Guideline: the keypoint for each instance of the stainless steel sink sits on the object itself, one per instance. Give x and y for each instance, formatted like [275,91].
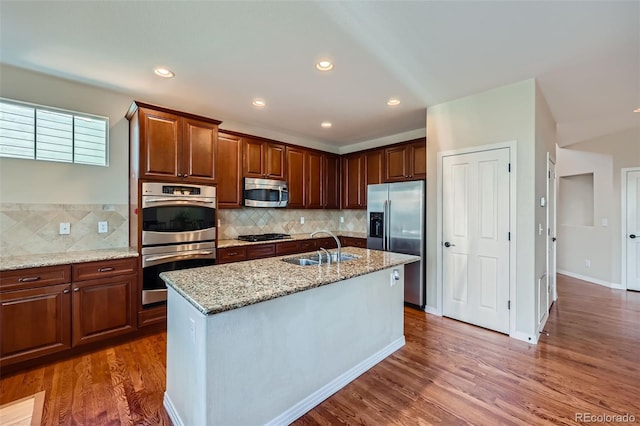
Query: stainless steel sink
[315,260]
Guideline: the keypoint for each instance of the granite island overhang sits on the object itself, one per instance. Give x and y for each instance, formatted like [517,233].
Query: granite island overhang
[264,341]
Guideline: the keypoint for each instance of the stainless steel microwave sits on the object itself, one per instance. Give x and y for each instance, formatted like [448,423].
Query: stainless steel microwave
[265,193]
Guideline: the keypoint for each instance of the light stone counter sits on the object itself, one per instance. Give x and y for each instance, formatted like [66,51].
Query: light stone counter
[50,259]
[294,237]
[214,289]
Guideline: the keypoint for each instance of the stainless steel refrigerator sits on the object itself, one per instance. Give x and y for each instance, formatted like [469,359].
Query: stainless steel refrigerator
[395,214]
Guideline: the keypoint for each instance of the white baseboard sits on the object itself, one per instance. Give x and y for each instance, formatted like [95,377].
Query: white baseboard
[432,311]
[525,337]
[591,280]
[171,411]
[302,407]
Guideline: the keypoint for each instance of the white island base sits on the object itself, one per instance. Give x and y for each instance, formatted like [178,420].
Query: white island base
[271,362]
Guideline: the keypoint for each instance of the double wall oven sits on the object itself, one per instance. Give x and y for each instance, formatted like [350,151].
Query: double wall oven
[178,232]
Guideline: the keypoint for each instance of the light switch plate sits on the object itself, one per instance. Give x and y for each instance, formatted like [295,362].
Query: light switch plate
[103,227]
[301,220]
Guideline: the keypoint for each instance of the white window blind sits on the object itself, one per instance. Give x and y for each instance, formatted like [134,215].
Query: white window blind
[51,134]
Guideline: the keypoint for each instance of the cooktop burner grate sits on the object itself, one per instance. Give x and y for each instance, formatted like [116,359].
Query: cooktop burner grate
[263,237]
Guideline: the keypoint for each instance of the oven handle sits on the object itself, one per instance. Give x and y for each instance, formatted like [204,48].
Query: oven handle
[169,256]
[172,199]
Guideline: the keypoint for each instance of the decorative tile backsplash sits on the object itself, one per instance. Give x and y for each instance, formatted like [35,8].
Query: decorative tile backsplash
[33,228]
[262,220]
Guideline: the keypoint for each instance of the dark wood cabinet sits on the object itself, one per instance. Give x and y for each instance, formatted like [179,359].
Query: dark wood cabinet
[287,247]
[375,166]
[56,308]
[231,254]
[296,177]
[406,162]
[34,322]
[263,159]
[103,308]
[260,251]
[169,145]
[229,179]
[353,242]
[354,185]
[331,181]
[314,172]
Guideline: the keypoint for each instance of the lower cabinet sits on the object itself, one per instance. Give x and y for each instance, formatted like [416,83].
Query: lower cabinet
[353,242]
[40,316]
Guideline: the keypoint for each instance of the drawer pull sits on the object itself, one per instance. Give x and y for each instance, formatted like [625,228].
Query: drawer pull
[233,253]
[77,289]
[66,291]
[109,269]
[28,279]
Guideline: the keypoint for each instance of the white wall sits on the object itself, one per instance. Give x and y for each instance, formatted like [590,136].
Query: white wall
[500,115]
[600,244]
[28,181]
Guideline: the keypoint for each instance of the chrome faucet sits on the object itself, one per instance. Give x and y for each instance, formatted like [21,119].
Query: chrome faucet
[335,238]
[328,255]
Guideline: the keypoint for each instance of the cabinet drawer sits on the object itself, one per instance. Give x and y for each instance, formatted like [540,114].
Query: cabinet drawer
[307,245]
[355,242]
[35,277]
[260,251]
[231,254]
[328,243]
[289,247]
[104,269]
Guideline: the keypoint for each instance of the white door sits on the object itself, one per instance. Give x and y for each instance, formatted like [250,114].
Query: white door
[633,230]
[552,293]
[475,194]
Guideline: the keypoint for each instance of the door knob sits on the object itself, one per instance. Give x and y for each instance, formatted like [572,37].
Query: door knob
[632,236]
[553,239]
[448,244]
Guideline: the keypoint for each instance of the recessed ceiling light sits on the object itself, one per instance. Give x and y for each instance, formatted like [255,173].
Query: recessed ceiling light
[326,124]
[259,103]
[324,65]
[164,72]
[636,110]
[393,102]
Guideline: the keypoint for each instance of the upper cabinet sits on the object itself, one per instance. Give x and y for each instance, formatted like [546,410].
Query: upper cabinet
[315,175]
[296,177]
[354,185]
[407,161]
[313,179]
[330,181]
[375,166]
[229,171]
[170,146]
[263,159]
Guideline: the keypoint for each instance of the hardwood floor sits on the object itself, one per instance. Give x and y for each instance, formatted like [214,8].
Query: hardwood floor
[448,373]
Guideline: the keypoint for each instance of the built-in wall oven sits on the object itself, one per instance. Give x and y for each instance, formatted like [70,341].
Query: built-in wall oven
[178,232]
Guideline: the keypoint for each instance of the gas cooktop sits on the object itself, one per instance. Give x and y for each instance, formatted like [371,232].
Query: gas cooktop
[263,237]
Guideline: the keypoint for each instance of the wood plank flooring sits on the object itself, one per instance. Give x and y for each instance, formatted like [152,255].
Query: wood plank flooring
[448,373]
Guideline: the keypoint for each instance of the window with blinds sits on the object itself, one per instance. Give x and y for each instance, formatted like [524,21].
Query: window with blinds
[44,133]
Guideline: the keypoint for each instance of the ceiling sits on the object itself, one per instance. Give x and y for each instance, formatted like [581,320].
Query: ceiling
[584,55]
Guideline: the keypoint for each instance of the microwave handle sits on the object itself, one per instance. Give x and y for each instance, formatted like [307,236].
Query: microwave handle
[280,191]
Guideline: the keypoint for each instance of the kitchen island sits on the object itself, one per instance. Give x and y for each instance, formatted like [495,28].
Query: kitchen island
[264,341]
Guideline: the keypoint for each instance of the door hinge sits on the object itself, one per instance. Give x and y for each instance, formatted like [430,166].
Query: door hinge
[509,167]
[509,304]
[509,236]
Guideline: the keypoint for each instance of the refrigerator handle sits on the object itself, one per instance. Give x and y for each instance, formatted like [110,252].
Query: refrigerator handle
[389,225]
[384,225]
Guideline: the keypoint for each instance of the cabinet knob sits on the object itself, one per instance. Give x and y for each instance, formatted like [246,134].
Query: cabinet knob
[66,291]
[76,289]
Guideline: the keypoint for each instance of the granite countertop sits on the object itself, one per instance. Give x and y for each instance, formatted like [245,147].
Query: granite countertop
[294,237]
[219,288]
[50,259]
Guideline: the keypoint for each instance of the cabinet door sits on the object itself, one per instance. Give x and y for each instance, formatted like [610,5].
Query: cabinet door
[103,308]
[253,155]
[274,165]
[418,160]
[375,166]
[34,322]
[161,145]
[296,174]
[231,254]
[396,164]
[353,182]
[331,185]
[315,175]
[229,171]
[200,145]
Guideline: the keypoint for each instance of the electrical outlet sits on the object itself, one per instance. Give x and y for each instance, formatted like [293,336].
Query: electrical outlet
[587,263]
[192,330]
[341,219]
[301,220]
[65,228]
[103,227]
